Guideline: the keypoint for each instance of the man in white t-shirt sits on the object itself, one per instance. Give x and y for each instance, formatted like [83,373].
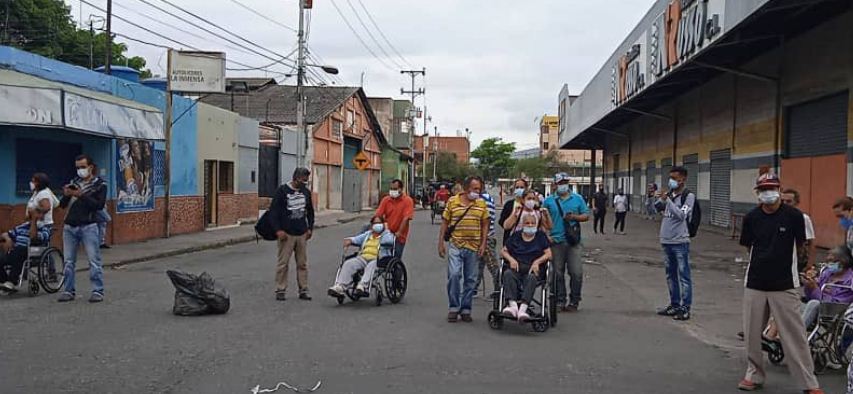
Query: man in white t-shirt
[806,261]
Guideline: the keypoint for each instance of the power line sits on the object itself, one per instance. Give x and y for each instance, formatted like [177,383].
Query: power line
[387,41]
[252,10]
[375,41]
[355,33]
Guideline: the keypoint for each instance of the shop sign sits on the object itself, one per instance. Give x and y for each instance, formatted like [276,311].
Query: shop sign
[679,32]
[30,106]
[111,119]
[196,72]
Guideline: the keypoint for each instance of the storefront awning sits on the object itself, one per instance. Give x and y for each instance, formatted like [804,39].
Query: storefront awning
[30,101]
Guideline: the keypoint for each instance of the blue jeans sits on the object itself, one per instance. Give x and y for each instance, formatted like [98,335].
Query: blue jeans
[72,238]
[461,263]
[677,263]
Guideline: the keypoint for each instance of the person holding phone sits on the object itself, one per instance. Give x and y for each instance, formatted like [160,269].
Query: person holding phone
[82,198]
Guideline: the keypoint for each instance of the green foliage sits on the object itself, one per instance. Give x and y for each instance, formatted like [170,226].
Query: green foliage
[495,157]
[448,167]
[45,27]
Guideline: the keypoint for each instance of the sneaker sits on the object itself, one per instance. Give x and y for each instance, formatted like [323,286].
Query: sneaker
[65,297]
[569,308]
[511,310]
[813,391]
[682,315]
[522,314]
[96,297]
[452,317]
[280,296]
[7,286]
[746,385]
[336,291]
[303,295]
[668,311]
[105,246]
[361,291]
[466,317]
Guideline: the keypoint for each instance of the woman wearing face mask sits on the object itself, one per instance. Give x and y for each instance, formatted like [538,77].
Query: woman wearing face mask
[530,206]
[42,197]
[375,244]
[835,283]
[526,252]
[512,206]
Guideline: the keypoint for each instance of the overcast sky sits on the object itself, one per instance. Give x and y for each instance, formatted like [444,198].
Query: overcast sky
[493,66]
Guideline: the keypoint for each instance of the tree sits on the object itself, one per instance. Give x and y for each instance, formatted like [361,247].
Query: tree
[448,167]
[495,157]
[45,27]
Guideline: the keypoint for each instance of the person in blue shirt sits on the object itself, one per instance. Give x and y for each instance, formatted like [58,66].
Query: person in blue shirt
[14,244]
[568,210]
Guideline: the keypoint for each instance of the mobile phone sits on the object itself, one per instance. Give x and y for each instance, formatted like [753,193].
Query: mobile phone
[72,186]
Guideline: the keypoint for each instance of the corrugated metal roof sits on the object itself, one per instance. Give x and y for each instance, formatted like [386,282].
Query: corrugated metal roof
[277,103]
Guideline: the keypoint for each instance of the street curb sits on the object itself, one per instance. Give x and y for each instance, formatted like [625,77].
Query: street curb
[210,246]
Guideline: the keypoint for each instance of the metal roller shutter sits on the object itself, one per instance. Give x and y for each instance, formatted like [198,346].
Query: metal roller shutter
[691,163]
[651,173]
[721,175]
[665,166]
[637,185]
[819,127]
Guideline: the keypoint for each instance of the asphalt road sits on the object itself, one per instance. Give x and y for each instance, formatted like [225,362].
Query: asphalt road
[133,344]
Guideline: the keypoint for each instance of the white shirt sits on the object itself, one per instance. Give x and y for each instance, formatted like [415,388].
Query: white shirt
[621,203]
[809,227]
[44,194]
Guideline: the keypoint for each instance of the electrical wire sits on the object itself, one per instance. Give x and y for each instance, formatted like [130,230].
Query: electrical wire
[252,10]
[355,33]
[369,34]
[387,41]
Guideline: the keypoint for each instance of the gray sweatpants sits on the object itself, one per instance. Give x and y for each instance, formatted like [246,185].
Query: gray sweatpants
[352,266]
[785,308]
[568,258]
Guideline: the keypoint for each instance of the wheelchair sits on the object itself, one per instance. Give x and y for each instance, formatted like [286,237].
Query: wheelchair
[437,211]
[542,308]
[825,338]
[390,280]
[42,269]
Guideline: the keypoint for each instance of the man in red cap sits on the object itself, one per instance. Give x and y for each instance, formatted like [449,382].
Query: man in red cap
[774,233]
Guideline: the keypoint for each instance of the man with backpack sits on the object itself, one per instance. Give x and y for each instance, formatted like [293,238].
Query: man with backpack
[679,224]
[291,216]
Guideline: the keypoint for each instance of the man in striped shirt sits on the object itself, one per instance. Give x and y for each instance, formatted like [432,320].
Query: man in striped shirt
[489,259]
[13,247]
[465,226]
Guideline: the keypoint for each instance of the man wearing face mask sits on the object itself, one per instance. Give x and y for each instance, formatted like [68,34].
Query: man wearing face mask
[843,210]
[398,209]
[568,210]
[599,210]
[677,206]
[292,216]
[774,232]
[82,198]
[513,207]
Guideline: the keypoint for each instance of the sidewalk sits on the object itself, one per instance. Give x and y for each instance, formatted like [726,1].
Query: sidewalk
[718,264]
[214,238]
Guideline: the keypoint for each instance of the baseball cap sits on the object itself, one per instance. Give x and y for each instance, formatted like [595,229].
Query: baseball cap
[561,176]
[768,181]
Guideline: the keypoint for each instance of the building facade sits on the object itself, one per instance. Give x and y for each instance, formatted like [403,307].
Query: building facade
[460,147]
[724,88]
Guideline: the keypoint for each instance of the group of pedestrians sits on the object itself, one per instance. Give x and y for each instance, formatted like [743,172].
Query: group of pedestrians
[600,204]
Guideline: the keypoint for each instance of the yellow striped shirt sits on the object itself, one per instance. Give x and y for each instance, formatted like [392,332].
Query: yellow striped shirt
[469,230]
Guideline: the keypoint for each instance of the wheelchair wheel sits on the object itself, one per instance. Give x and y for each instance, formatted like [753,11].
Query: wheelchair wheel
[495,321]
[540,325]
[340,300]
[396,281]
[33,286]
[552,299]
[378,299]
[51,270]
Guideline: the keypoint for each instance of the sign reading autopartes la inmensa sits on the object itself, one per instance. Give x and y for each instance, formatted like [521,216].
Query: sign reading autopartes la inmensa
[196,72]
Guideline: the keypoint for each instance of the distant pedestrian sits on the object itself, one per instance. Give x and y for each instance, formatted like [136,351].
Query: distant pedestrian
[843,210]
[677,206]
[465,227]
[489,259]
[599,209]
[805,262]
[568,210]
[82,198]
[773,232]
[398,209]
[651,196]
[620,205]
[292,216]
[102,217]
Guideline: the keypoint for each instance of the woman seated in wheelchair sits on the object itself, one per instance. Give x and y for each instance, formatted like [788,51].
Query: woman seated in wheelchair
[375,244]
[527,251]
[14,248]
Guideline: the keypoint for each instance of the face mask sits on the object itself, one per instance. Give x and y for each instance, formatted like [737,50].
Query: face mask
[32,186]
[473,195]
[846,223]
[529,230]
[530,204]
[83,172]
[378,227]
[394,193]
[519,192]
[562,189]
[673,184]
[768,197]
[833,267]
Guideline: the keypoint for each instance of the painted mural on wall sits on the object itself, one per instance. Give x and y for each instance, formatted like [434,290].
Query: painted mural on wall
[134,175]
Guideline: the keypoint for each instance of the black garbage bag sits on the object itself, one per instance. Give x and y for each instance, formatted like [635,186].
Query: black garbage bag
[198,294]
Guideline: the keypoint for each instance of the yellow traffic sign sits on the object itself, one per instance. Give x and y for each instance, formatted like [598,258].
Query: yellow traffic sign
[361,161]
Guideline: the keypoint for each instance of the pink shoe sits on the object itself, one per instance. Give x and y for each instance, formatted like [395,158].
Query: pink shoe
[511,310]
[522,314]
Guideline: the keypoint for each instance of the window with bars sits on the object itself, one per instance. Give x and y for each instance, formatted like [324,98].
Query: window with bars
[226,177]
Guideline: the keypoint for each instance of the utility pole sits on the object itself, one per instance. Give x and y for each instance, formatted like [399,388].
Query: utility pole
[415,93]
[425,138]
[6,24]
[302,150]
[435,155]
[91,44]
[109,49]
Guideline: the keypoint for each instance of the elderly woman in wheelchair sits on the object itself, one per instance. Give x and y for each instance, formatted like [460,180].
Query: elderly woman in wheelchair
[527,252]
[14,246]
[374,244]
